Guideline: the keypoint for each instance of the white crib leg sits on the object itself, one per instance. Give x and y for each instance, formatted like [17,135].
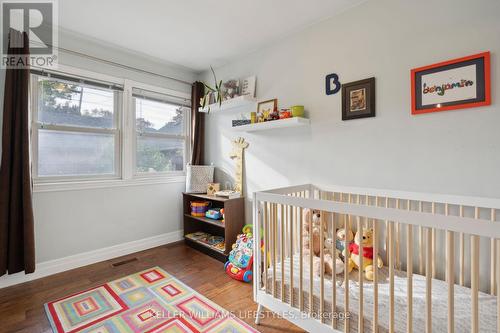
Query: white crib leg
[258,315]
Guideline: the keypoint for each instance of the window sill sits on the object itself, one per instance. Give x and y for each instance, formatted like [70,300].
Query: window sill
[108,183]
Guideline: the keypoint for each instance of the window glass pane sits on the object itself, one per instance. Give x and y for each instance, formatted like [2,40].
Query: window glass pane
[73,153]
[63,103]
[158,117]
[159,154]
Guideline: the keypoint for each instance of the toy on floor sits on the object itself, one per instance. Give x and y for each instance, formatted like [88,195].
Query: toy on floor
[367,242]
[239,264]
[312,243]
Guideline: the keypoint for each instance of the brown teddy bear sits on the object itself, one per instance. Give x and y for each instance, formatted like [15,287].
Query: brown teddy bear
[366,239]
[314,217]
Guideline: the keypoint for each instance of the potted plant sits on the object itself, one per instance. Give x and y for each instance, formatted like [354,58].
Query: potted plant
[217,90]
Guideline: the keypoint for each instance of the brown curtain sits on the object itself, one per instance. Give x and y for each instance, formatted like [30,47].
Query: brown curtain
[197,125]
[17,243]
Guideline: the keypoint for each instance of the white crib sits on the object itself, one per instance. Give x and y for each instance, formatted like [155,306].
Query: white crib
[441,261]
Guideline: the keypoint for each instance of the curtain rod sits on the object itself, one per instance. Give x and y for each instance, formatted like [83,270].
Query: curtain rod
[109,62]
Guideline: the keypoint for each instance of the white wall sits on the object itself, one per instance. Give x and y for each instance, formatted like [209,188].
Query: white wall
[455,152]
[73,222]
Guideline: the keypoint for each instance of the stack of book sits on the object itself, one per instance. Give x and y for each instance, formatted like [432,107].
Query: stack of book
[217,242]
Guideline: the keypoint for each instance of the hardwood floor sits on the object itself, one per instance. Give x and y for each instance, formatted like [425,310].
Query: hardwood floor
[21,306]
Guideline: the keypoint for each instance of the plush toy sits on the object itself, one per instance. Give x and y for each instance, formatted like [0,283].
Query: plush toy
[312,220]
[343,238]
[367,241]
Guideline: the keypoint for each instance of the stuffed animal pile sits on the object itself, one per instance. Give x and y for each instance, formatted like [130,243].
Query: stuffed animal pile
[329,258]
[312,243]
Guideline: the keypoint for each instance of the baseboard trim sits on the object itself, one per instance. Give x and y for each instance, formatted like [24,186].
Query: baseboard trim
[50,267]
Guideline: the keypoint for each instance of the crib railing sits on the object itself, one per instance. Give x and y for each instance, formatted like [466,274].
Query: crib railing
[408,231]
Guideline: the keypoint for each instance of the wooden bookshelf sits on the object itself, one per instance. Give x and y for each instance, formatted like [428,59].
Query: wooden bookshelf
[234,211]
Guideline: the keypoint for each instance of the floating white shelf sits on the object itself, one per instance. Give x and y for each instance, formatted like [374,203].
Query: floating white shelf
[230,104]
[274,124]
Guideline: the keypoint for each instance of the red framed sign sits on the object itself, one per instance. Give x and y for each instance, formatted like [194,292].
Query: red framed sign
[450,85]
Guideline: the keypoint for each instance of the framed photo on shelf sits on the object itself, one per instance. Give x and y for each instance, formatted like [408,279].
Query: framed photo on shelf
[248,86]
[358,99]
[265,108]
[450,85]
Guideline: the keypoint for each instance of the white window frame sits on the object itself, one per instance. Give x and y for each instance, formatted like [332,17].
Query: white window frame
[186,137]
[125,146]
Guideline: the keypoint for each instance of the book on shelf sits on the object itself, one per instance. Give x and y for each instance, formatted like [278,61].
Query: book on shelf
[228,194]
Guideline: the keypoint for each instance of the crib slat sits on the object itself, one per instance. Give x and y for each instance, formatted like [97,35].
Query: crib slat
[391,276]
[273,245]
[266,244]
[290,218]
[433,242]
[310,263]
[301,264]
[360,275]
[498,284]
[475,279]
[375,273]
[321,266]
[450,276]
[398,235]
[282,243]
[409,269]
[462,252]
[386,233]
[421,242]
[334,269]
[428,283]
[493,258]
[346,275]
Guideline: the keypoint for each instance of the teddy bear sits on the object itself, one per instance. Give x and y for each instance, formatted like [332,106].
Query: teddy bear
[366,239]
[313,245]
[342,239]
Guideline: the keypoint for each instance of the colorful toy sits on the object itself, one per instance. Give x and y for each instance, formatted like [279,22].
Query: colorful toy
[368,260]
[223,215]
[343,239]
[214,213]
[199,208]
[239,265]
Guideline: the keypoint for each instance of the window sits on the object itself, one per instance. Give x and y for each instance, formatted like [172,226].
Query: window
[92,130]
[161,132]
[76,127]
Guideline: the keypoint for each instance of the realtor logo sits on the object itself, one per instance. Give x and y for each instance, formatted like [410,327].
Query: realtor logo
[39,20]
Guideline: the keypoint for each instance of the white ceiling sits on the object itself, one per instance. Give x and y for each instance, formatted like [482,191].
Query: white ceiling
[194,33]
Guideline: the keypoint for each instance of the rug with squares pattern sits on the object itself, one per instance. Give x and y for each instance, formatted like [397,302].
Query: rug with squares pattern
[151,301]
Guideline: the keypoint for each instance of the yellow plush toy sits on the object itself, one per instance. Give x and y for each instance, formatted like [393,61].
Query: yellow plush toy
[367,241]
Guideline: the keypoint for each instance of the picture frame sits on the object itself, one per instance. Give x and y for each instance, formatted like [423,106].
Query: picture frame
[248,86]
[358,99]
[450,85]
[265,108]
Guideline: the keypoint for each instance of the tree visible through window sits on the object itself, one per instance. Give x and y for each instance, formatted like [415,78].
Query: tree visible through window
[76,129]
[160,135]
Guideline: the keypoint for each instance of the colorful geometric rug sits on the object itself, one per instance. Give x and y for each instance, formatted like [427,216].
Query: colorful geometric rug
[151,301]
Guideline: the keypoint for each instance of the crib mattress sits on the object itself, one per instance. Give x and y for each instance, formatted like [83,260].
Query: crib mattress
[487,303]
